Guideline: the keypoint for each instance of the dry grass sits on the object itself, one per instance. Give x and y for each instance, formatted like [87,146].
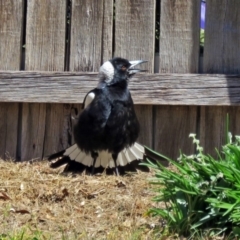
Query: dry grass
[36,200]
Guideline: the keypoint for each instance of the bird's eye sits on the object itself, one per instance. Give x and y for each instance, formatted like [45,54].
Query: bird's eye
[124,68]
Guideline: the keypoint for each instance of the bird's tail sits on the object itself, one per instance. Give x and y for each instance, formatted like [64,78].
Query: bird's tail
[104,160]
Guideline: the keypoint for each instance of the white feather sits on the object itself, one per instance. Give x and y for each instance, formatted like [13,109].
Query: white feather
[137,150]
[70,150]
[106,72]
[89,98]
[125,161]
[73,155]
[111,164]
[87,160]
[139,147]
[104,159]
[120,159]
[129,155]
[98,162]
[80,156]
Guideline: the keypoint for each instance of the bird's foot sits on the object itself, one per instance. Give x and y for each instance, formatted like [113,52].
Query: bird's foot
[117,172]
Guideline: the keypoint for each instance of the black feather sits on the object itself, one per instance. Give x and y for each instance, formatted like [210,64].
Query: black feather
[56,155]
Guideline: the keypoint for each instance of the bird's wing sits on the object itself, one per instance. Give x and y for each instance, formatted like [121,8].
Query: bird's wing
[89,98]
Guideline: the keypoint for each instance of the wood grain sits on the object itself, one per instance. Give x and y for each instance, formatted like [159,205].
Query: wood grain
[134,39]
[91,34]
[213,126]
[221,55]
[33,129]
[222,32]
[179,49]
[45,49]
[107,31]
[156,89]
[134,30]
[57,128]
[11,18]
[172,129]
[9,116]
[179,36]
[144,115]
[10,34]
[91,45]
[45,35]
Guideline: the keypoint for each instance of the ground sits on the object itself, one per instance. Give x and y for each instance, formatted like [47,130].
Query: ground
[38,201]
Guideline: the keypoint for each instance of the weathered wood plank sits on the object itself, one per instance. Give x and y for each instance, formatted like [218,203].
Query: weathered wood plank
[91,34]
[172,129]
[156,89]
[107,34]
[179,36]
[144,115]
[91,43]
[8,130]
[221,55]
[222,33]
[179,49]
[32,131]
[45,35]
[135,30]
[134,39]
[76,110]
[11,19]
[57,128]
[213,126]
[45,49]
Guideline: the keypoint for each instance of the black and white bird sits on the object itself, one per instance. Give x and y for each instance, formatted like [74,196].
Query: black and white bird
[107,128]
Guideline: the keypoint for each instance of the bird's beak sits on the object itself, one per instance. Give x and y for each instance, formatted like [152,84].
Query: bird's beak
[132,70]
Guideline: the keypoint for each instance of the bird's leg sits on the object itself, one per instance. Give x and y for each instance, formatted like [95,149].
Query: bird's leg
[94,156]
[114,156]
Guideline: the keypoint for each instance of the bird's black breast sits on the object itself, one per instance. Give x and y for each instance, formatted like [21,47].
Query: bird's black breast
[122,127]
[108,123]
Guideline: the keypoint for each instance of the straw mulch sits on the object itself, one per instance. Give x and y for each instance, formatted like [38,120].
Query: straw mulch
[35,198]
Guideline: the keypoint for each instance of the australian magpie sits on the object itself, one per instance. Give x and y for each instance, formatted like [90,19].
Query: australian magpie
[107,128]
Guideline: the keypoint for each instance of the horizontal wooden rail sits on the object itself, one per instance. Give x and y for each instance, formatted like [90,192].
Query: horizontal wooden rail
[156,89]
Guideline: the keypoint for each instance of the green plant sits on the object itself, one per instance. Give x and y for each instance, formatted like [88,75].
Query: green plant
[25,233]
[200,193]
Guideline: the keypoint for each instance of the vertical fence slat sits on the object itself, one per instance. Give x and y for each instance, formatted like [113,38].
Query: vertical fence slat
[107,34]
[144,115]
[135,30]
[11,19]
[179,36]
[91,37]
[91,34]
[134,39]
[221,55]
[222,32]
[45,49]
[179,52]
[57,128]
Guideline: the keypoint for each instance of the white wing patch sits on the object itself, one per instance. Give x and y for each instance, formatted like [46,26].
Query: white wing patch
[126,156]
[89,98]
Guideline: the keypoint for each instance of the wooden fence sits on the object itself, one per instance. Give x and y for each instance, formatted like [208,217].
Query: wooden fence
[61,43]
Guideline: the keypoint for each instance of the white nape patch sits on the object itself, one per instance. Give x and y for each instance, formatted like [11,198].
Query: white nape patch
[89,99]
[106,72]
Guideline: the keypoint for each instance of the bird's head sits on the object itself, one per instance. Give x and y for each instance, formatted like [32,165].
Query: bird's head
[117,70]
